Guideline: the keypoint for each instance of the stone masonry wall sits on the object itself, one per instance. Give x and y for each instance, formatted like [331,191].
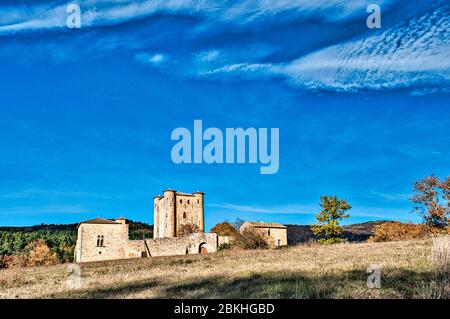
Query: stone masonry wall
[182,245]
[114,238]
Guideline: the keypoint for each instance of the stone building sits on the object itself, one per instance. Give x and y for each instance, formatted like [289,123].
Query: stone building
[274,233]
[103,239]
[173,209]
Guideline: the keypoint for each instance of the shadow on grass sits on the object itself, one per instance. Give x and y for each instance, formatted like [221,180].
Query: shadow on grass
[115,291]
[396,283]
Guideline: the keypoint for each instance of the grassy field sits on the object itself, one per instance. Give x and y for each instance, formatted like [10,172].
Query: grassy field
[338,271]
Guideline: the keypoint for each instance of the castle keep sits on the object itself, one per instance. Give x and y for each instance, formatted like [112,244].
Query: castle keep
[103,239]
[174,209]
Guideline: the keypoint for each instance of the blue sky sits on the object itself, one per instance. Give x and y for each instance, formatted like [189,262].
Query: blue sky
[86,115]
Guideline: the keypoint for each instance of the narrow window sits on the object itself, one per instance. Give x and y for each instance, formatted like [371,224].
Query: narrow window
[100,240]
[268,232]
[184,215]
[181,201]
[188,201]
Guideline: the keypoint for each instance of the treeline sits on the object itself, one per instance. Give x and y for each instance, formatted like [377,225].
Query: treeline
[60,242]
[60,239]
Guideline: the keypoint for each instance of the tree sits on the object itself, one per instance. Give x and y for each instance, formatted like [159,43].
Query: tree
[327,227]
[187,229]
[40,254]
[432,200]
[224,229]
[238,223]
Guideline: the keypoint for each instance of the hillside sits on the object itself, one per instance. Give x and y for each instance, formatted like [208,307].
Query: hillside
[298,234]
[304,271]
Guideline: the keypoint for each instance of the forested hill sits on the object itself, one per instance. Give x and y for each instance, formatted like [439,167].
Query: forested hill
[134,227]
[53,227]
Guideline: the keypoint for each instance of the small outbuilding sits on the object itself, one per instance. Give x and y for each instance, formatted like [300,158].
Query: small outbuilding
[275,233]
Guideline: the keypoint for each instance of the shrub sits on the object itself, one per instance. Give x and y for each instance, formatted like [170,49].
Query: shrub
[40,254]
[251,239]
[224,229]
[394,231]
[187,229]
[224,246]
[441,254]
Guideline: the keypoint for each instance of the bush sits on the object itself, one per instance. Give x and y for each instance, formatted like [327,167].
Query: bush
[224,246]
[330,241]
[40,254]
[14,261]
[224,229]
[441,254]
[187,229]
[394,231]
[251,239]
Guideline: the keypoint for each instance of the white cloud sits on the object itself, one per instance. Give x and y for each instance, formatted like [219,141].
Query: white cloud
[154,59]
[402,56]
[413,54]
[107,12]
[400,214]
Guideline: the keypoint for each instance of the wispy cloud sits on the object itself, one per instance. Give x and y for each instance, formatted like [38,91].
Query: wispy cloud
[286,209]
[391,197]
[313,209]
[107,12]
[415,53]
[412,53]
[153,59]
[37,193]
[26,210]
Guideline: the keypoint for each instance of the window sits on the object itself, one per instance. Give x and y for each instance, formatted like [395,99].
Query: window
[188,201]
[100,239]
[181,201]
[268,232]
[184,215]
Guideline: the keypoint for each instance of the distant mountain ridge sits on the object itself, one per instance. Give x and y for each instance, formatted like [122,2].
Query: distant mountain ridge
[298,234]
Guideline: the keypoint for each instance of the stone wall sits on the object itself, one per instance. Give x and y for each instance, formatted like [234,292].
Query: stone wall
[182,245]
[278,237]
[114,238]
[223,240]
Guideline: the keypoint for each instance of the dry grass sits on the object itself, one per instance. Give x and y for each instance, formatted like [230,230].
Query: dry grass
[336,271]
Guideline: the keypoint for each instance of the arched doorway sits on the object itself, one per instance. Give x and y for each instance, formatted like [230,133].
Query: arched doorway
[202,249]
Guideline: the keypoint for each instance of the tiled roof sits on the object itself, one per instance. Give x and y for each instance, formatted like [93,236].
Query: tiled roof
[265,224]
[99,221]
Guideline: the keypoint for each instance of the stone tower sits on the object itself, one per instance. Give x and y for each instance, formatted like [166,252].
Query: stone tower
[174,209]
